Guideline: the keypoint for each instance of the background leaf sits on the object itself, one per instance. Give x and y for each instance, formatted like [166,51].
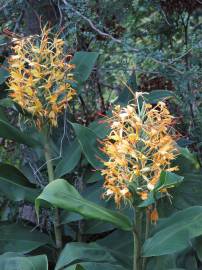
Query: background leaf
[15,185]
[16,238]
[88,141]
[4,74]
[9,132]
[84,62]
[157,95]
[13,261]
[70,158]
[82,252]
[176,234]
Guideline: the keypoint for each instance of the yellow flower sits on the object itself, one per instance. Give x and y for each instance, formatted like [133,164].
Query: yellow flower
[39,75]
[140,145]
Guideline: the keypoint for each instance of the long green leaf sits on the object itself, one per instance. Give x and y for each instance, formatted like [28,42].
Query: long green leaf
[84,62]
[9,132]
[158,95]
[15,185]
[192,157]
[122,249]
[177,232]
[189,192]
[61,194]
[13,261]
[16,238]
[69,160]
[94,266]
[4,74]
[82,252]
[168,179]
[131,87]
[88,141]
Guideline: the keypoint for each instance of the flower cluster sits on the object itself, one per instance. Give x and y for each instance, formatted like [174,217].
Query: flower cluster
[40,76]
[140,145]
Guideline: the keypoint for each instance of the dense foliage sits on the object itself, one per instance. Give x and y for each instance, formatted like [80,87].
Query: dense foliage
[100,127]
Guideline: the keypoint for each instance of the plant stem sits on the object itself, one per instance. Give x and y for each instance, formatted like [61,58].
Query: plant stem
[135,254]
[146,236]
[137,244]
[57,229]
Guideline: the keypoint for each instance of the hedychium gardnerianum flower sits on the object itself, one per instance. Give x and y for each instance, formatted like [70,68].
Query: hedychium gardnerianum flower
[41,83]
[41,77]
[140,146]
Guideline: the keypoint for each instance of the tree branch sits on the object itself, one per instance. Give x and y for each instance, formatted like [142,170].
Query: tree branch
[92,25]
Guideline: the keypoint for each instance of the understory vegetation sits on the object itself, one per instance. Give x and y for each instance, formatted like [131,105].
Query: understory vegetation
[100,135]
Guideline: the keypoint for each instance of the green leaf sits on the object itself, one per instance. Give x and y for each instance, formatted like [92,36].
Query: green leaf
[74,267]
[189,192]
[198,247]
[67,217]
[61,194]
[126,94]
[120,245]
[82,252]
[94,266]
[3,114]
[162,262]
[184,151]
[167,180]
[93,177]
[96,227]
[84,63]
[101,129]
[9,132]
[88,141]
[177,232]
[16,238]
[69,159]
[15,185]
[13,261]
[4,74]
[157,95]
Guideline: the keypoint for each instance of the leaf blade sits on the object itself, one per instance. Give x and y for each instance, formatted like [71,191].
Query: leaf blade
[63,195]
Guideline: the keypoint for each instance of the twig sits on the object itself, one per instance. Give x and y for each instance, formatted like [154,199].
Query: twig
[181,56]
[60,12]
[18,21]
[166,19]
[92,25]
[5,5]
[166,64]
[113,38]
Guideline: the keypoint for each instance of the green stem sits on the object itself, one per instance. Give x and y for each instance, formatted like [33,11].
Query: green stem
[137,244]
[57,229]
[147,225]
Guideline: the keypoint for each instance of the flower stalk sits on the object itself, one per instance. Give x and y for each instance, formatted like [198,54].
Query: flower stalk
[56,224]
[137,240]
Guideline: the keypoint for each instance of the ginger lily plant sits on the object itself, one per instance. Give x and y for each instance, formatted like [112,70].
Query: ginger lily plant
[40,83]
[140,146]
